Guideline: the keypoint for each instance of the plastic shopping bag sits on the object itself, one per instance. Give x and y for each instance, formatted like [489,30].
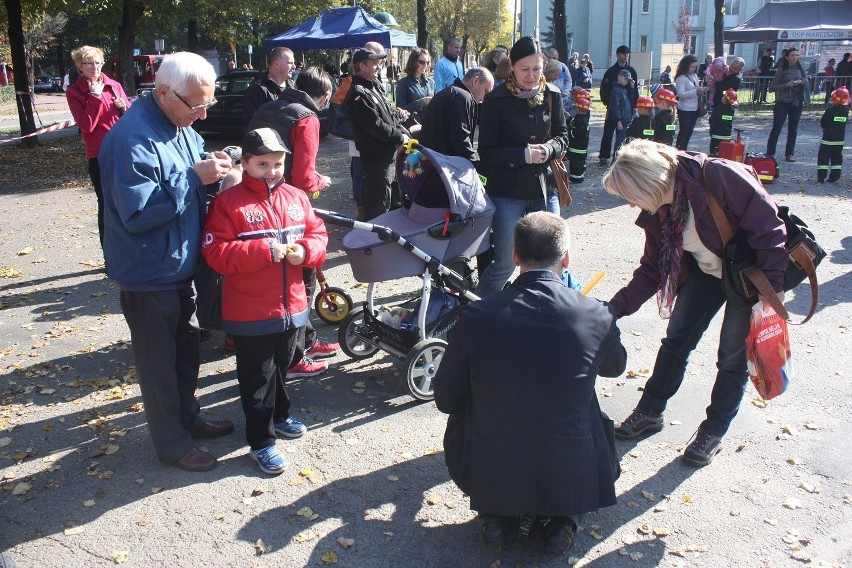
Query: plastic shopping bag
[769,360]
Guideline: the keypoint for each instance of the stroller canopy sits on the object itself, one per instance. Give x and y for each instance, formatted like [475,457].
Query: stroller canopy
[449,182]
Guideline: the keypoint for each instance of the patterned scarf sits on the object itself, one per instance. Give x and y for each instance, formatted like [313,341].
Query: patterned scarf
[672,222]
[534,96]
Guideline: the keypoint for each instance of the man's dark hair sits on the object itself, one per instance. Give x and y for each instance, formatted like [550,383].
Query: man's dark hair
[541,238]
[314,81]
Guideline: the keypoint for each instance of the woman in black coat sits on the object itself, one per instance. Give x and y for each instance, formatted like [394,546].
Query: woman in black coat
[522,128]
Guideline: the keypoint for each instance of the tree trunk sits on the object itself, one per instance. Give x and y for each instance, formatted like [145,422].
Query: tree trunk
[719,28]
[130,16]
[192,35]
[422,32]
[560,31]
[24,95]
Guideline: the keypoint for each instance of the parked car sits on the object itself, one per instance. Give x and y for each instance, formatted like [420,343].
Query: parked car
[226,116]
[45,84]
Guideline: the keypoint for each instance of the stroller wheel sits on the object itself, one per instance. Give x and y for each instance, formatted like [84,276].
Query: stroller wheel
[421,365]
[333,305]
[350,343]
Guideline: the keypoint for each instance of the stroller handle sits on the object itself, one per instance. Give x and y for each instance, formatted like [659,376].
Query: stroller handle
[385,233]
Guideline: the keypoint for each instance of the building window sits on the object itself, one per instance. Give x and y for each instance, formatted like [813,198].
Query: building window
[693,43]
[692,7]
[732,7]
[732,49]
[646,6]
[643,43]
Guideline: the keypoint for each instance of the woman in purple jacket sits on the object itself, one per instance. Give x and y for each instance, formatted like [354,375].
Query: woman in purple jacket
[682,258]
[96,103]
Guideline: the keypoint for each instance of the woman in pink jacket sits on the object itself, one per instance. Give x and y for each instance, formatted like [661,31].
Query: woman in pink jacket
[96,103]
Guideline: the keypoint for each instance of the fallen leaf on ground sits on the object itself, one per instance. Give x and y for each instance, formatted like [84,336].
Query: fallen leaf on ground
[71,531]
[89,503]
[24,251]
[812,426]
[257,491]
[792,503]
[305,512]
[345,542]
[596,532]
[773,522]
[393,478]
[790,430]
[305,536]
[260,547]
[809,487]
[431,451]
[648,495]
[5,442]
[305,472]
[22,488]
[687,499]
[156,490]
[143,522]
[119,556]
[329,557]
[793,460]
[635,555]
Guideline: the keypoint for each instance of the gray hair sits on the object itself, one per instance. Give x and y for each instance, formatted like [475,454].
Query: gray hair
[481,73]
[541,239]
[178,69]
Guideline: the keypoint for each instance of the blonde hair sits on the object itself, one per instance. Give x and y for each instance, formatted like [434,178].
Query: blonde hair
[643,173]
[86,52]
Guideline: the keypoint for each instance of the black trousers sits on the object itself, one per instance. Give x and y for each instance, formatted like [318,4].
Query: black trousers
[720,129]
[164,332]
[686,120]
[829,161]
[577,165]
[377,186]
[95,175]
[262,362]
[610,125]
[307,334]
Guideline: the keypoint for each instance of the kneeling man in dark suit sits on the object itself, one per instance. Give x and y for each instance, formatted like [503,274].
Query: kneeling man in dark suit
[526,438]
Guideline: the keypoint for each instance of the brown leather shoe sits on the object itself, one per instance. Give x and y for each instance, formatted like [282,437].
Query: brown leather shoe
[196,460]
[204,428]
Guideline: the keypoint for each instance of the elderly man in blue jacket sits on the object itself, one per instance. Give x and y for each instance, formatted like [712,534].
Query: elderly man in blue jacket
[155,175]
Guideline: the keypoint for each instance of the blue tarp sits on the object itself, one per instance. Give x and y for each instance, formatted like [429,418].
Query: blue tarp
[339,28]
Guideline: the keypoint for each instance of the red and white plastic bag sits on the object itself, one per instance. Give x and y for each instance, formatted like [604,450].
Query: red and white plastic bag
[770,363]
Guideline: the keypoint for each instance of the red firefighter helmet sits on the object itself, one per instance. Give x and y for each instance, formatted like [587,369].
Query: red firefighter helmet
[645,102]
[579,92]
[731,96]
[582,102]
[666,95]
[840,96]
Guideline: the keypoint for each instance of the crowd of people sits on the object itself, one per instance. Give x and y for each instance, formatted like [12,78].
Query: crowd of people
[165,202]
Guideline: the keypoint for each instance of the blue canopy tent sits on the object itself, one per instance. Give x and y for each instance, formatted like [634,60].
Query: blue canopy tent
[339,28]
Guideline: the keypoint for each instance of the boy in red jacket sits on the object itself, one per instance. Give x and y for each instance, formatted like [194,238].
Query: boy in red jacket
[260,234]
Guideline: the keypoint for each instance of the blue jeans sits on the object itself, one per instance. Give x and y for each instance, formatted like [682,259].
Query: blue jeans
[780,112]
[698,301]
[620,135]
[356,171]
[553,203]
[507,213]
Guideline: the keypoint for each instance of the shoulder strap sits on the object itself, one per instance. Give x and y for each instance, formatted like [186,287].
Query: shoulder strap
[754,274]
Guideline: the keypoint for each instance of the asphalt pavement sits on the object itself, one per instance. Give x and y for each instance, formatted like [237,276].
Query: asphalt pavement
[367,485]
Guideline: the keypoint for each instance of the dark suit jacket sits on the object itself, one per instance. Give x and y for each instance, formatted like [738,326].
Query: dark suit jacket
[525,432]
[450,122]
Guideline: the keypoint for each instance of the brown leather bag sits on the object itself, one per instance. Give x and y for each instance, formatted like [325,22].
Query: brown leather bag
[560,172]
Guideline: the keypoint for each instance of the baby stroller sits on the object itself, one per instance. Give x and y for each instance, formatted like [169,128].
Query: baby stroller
[444,222]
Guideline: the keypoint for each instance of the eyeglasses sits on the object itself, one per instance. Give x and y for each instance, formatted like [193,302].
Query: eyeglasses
[195,108]
[422,62]
[94,63]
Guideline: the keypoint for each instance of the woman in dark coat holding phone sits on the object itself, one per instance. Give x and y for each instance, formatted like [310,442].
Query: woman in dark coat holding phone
[522,127]
[790,86]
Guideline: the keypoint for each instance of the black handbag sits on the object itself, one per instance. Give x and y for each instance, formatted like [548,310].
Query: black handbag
[341,124]
[743,281]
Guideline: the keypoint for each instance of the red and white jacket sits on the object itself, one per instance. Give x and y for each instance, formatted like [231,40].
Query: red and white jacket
[262,297]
